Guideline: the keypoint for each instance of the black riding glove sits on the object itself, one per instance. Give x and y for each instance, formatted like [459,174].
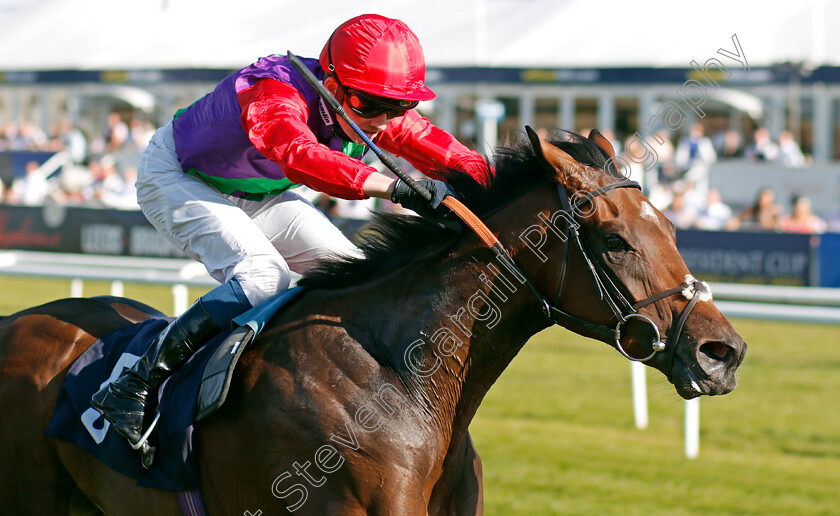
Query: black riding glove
[434,209]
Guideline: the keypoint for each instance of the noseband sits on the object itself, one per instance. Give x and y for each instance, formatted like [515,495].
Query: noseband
[608,292]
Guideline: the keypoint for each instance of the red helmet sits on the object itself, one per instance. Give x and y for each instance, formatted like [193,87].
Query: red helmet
[377,55]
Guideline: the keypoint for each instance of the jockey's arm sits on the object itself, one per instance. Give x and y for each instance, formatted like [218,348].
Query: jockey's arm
[430,148]
[274,115]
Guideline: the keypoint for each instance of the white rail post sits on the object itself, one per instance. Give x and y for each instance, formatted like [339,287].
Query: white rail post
[117,288]
[180,293]
[76,287]
[640,407]
[692,428]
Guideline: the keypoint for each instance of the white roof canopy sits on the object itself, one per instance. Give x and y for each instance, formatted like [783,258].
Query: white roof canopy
[138,34]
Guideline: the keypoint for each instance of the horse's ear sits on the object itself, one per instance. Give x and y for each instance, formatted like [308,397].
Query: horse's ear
[553,159]
[536,142]
[601,141]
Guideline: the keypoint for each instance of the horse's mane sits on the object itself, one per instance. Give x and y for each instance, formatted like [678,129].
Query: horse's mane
[390,241]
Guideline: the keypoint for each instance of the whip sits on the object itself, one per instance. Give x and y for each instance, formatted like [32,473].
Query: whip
[337,107]
[464,213]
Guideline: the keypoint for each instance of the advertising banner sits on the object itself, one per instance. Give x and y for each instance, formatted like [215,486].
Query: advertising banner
[81,230]
[750,257]
[830,260]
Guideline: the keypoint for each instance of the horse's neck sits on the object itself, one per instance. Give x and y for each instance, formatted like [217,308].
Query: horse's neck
[471,317]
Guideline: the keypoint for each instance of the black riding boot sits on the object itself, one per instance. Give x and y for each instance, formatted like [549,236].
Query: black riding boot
[123,401]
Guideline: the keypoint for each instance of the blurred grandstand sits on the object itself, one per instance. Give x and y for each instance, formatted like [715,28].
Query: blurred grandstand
[83,84]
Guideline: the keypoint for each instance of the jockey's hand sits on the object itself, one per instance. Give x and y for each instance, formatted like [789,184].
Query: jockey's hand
[433,210]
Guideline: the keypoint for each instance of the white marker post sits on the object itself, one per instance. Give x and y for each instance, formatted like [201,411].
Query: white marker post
[640,410]
[76,287]
[180,294]
[640,407]
[692,428]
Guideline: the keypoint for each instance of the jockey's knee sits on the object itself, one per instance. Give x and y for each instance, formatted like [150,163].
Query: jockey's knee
[262,277]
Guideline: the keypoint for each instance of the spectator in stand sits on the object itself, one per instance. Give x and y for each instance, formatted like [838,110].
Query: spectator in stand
[107,185]
[763,215]
[790,155]
[123,195]
[72,185]
[31,189]
[88,184]
[665,155]
[729,144]
[649,174]
[140,134]
[12,138]
[63,136]
[715,214]
[762,148]
[31,137]
[53,143]
[114,135]
[694,155]
[73,140]
[682,215]
[5,130]
[802,218]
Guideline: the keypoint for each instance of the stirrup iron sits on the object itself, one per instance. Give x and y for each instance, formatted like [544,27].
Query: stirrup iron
[145,437]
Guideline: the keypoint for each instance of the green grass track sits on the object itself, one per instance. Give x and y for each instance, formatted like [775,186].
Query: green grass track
[556,432]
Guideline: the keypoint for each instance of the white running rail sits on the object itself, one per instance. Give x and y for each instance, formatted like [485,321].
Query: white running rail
[179,274]
[780,303]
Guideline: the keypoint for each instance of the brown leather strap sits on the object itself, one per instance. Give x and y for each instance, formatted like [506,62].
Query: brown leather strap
[492,243]
[471,220]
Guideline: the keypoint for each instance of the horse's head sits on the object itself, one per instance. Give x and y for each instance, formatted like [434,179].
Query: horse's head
[634,290]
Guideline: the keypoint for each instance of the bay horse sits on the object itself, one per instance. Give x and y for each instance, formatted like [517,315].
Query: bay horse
[357,398]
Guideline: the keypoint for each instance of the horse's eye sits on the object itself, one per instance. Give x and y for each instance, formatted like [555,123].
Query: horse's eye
[615,243]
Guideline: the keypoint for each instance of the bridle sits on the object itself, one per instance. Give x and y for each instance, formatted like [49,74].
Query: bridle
[608,291]
[623,309]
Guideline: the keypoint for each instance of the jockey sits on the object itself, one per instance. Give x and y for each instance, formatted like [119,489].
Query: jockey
[217,180]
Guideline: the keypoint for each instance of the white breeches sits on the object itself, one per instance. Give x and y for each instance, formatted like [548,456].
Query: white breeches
[257,242]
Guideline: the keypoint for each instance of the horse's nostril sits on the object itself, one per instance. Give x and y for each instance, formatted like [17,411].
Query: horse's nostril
[715,350]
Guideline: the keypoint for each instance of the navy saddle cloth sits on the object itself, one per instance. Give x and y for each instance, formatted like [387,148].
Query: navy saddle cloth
[175,466]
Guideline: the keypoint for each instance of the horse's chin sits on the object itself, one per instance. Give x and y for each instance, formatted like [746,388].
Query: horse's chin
[691,385]
[684,380]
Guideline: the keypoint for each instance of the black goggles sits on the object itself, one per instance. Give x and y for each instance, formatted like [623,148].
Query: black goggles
[370,106]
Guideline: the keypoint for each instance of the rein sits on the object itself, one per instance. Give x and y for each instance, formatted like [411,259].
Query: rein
[623,309]
[606,288]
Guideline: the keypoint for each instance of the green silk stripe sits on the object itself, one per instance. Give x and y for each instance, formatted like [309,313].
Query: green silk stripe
[352,149]
[255,188]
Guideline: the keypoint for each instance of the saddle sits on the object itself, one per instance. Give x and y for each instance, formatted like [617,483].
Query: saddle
[215,379]
[194,392]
